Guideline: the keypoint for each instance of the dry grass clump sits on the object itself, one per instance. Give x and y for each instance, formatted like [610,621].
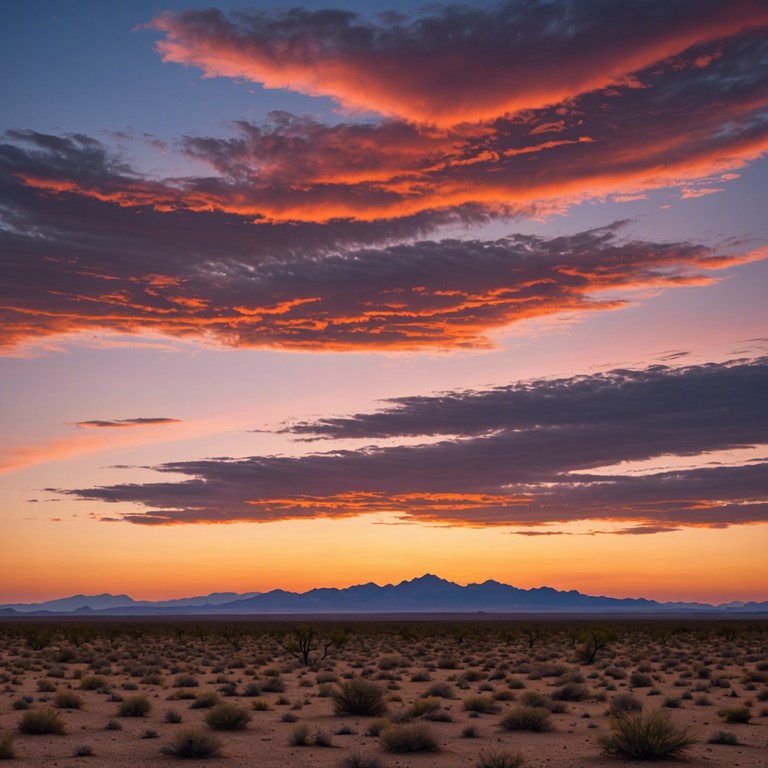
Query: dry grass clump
[134,706]
[414,737]
[41,721]
[735,715]
[7,752]
[361,761]
[485,705]
[206,700]
[94,683]
[499,759]
[193,744]
[624,703]
[67,700]
[359,696]
[724,737]
[648,736]
[228,717]
[523,718]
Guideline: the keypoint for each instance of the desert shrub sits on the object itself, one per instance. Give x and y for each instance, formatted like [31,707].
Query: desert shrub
[484,704]
[623,703]
[252,689]
[134,706]
[152,678]
[94,683]
[67,700]
[735,714]
[360,761]
[260,706]
[646,737]
[359,696]
[440,691]
[113,725]
[422,708]
[172,716]
[274,684]
[193,744]
[84,750]
[228,717]
[724,737]
[186,681]
[7,752]
[150,733]
[377,727]
[499,759]
[206,700]
[469,732]
[570,692]
[414,737]
[322,739]
[45,686]
[671,702]
[42,720]
[22,704]
[524,718]
[300,736]
[640,680]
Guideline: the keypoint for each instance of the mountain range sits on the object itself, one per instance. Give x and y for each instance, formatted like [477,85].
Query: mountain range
[426,594]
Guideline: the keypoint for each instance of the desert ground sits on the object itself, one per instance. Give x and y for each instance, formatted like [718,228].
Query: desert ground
[361,694]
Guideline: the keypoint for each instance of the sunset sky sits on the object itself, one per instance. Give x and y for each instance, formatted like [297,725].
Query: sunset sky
[299,296]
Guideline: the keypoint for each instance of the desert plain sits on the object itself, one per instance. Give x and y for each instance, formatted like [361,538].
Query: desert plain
[349,693]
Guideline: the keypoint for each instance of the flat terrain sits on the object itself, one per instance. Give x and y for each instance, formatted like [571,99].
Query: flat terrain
[456,683]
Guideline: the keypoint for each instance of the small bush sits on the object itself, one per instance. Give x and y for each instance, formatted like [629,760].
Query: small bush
[7,752]
[359,696]
[735,715]
[377,727]
[300,736]
[134,706]
[724,737]
[43,720]
[360,761]
[403,739]
[469,732]
[186,681]
[486,705]
[640,680]
[84,750]
[646,737]
[527,719]
[206,700]
[45,686]
[228,717]
[193,744]
[67,700]
[94,683]
[499,759]
[440,691]
[322,739]
[570,692]
[172,716]
[623,703]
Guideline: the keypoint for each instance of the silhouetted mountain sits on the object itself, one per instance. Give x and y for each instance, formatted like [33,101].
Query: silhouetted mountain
[107,602]
[426,594]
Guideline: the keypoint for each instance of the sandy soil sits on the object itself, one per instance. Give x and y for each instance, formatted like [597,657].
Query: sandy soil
[692,672]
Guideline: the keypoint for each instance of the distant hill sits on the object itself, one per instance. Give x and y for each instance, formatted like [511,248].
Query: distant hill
[426,594]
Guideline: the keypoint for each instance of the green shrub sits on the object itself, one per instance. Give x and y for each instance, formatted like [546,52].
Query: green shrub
[414,737]
[648,736]
[67,700]
[134,706]
[42,720]
[527,719]
[7,752]
[228,717]
[193,744]
[359,696]
[735,714]
[499,759]
[486,705]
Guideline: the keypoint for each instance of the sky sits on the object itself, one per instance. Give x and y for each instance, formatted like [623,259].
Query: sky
[315,295]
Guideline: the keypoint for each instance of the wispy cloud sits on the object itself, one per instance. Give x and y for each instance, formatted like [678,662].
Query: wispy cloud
[122,423]
[510,457]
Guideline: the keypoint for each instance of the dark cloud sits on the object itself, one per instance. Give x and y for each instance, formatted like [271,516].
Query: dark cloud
[455,63]
[532,468]
[680,401]
[121,423]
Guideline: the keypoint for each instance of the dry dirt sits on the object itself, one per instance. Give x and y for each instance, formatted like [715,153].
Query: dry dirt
[691,671]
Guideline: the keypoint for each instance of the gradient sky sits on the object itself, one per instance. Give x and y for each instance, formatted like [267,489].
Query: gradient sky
[314,296]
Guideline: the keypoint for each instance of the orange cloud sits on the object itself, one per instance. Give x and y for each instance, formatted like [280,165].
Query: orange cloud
[453,65]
